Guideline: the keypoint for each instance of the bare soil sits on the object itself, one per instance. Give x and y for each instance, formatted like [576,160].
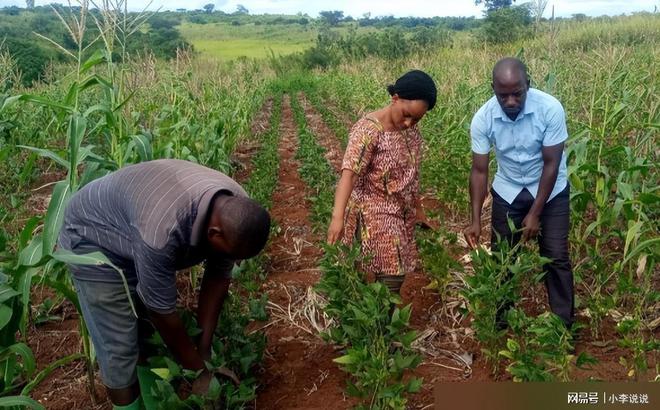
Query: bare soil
[298,371]
[298,368]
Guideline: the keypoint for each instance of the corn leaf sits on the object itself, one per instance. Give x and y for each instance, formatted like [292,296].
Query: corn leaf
[5,315]
[46,153]
[55,215]
[10,401]
[93,258]
[32,254]
[22,350]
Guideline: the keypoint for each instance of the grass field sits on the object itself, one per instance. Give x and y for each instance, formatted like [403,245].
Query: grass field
[228,42]
[303,330]
[252,48]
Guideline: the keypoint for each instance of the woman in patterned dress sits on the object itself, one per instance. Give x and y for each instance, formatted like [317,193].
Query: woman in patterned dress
[377,198]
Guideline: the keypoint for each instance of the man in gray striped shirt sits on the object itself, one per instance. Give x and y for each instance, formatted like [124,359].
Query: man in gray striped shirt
[150,220]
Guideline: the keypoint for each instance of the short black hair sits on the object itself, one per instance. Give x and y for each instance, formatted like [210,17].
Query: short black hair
[509,63]
[415,85]
[246,224]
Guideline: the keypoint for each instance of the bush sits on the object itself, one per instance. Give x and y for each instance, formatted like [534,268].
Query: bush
[197,19]
[319,57]
[390,43]
[425,37]
[507,25]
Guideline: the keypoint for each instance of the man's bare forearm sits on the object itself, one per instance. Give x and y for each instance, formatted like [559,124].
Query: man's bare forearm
[171,329]
[478,185]
[212,294]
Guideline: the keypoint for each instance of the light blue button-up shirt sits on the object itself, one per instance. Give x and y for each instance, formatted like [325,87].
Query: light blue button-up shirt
[541,123]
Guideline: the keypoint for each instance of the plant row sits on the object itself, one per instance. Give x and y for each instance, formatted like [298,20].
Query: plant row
[371,328]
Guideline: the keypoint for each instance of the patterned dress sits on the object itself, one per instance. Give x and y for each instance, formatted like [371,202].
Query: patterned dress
[381,210]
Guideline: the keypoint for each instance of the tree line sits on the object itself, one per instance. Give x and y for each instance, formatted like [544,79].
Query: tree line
[20,29]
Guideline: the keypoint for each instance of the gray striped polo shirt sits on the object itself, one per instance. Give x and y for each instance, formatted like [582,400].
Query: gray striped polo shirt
[149,219]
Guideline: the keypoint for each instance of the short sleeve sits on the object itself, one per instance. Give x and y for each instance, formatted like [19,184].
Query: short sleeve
[156,278]
[479,134]
[555,131]
[362,141]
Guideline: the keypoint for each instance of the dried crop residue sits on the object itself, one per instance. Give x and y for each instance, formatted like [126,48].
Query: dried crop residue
[66,387]
[298,368]
[298,372]
[446,340]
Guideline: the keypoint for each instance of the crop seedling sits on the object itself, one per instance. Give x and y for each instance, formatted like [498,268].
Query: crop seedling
[377,344]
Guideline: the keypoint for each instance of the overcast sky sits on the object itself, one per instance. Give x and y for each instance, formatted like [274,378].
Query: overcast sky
[399,8]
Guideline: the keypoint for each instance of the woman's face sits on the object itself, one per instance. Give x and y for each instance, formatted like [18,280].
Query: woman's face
[406,113]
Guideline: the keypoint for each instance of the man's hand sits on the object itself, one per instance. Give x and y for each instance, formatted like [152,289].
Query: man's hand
[530,227]
[201,385]
[335,230]
[472,234]
[171,329]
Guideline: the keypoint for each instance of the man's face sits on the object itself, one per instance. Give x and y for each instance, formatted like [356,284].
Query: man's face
[511,92]
[222,247]
[407,113]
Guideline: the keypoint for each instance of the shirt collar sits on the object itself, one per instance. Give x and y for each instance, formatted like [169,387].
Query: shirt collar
[528,108]
[199,225]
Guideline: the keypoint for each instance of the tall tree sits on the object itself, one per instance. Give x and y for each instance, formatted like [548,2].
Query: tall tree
[241,9]
[209,8]
[332,17]
[30,4]
[494,4]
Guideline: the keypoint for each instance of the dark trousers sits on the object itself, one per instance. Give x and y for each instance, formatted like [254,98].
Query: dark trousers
[553,243]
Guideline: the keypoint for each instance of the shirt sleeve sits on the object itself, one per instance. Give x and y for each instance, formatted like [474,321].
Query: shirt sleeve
[555,131]
[479,134]
[156,278]
[362,141]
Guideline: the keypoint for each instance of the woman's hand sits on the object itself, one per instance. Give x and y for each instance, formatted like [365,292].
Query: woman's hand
[342,193]
[335,230]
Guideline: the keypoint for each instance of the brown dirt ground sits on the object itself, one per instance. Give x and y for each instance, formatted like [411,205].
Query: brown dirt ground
[298,368]
[326,138]
[66,387]
[449,332]
[298,372]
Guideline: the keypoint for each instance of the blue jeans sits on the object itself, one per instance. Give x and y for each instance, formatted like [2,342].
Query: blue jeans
[113,328]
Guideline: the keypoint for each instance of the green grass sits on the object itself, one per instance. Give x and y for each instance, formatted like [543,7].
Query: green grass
[224,41]
[227,42]
[253,48]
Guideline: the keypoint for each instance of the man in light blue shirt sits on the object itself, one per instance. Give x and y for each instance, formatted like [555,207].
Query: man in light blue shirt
[527,129]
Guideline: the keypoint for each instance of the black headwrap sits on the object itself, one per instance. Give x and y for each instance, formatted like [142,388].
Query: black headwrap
[415,85]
